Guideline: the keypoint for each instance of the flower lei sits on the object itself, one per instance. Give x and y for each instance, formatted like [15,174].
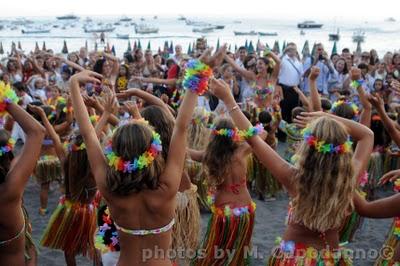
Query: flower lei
[68,109]
[53,113]
[196,76]
[227,211]
[7,96]
[263,92]
[108,227]
[322,147]
[94,118]
[73,147]
[8,147]
[357,83]
[235,134]
[138,163]
[336,104]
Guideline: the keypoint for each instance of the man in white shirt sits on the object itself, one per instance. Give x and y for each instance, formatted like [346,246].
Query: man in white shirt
[177,57]
[290,76]
[242,55]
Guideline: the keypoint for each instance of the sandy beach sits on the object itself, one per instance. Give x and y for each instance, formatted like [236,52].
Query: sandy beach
[270,217]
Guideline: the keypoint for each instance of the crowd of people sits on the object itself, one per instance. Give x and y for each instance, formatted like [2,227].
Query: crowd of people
[140,145]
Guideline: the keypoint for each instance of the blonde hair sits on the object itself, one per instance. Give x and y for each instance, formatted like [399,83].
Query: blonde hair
[325,183]
[198,133]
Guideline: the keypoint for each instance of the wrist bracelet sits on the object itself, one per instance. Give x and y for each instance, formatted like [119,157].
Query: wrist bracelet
[357,83]
[236,107]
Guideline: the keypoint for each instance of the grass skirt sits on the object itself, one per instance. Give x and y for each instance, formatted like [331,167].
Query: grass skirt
[351,225]
[198,177]
[392,241]
[296,254]
[48,169]
[229,230]
[265,182]
[71,228]
[375,172]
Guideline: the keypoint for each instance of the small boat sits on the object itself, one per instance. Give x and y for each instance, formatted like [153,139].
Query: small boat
[181,17]
[68,17]
[219,27]
[203,30]
[21,22]
[142,19]
[56,26]
[106,28]
[145,29]
[155,17]
[117,23]
[88,20]
[237,22]
[35,30]
[391,19]
[302,33]
[267,33]
[358,36]
[125,19]
[196,23]
[242,33]
[309,24]
[334,36]
[123,36]
[1,27]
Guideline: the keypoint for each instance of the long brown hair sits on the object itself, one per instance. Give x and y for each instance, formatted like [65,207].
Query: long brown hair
[6,158]
[130,141]
[219,153]
[325,182]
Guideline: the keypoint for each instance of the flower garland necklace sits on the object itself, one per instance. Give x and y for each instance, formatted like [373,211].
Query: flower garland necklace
[7,96]
[196,76]
[235,134]
[322,147]
[8,147]
[139,163]
[73,147]
[353,106]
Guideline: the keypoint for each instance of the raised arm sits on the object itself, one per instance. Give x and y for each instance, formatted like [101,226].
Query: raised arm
[277,66]
[249,75]
[70,63]
[315,103]
[97,160]
[148,98]
[365,117]
[195,155]
[169,82]
[109,105]
[115,67]
[279,168]
[303,99]
[23,165]
[50,131]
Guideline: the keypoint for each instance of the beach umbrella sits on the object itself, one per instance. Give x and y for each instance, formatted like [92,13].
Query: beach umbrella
[250,49]
[217,44]
[306,49]
[19,45]
[95,46]
[334,49]
[129,47]
[235,48]
[276,48]
[64,49]
[246,45]
[37,47]
[148,46]
[166,44]
[267,46]
[86,46]
[159,50]
[358,50]
[139,45]
[171,48]
[313,49]
[284,46]
[13,46]
[1,48]
[258,46]
[44,46]
[134,45]
[107,48]
[189,49]
[113,50]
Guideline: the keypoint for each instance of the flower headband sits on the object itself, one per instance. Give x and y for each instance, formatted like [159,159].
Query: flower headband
[7,96]
[196,76]
[138,163]
[322,147]
[235,134]
[73,147]
[8,147]
[336,104]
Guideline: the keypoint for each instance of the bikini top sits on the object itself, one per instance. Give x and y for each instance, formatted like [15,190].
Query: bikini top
[145,232]
[234,188]
[20,233]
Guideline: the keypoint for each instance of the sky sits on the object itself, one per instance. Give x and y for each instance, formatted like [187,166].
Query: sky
[299,9]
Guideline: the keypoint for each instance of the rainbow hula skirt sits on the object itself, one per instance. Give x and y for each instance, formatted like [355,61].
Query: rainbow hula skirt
[71,228]
[229,231]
